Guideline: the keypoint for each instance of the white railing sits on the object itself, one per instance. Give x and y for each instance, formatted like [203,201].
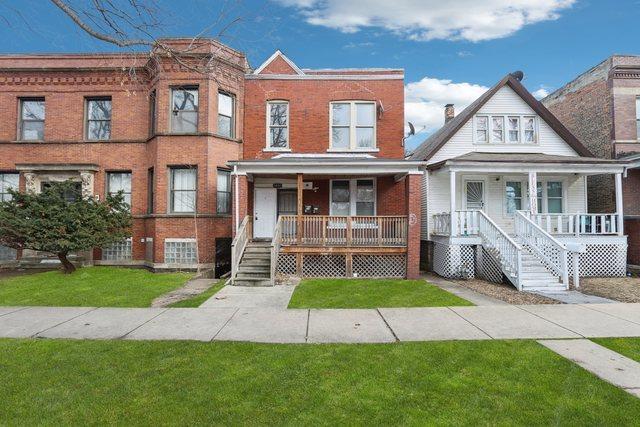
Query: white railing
[550,251]
[577,224]
[324,230]
[275,249]
[505,249]
[466,223]
[239,243]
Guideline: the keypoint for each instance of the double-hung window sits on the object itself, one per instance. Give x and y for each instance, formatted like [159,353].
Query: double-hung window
[226,115]
[353,125]
[549,195]
[8,181]
[224,191]
[150,190]
[513,128]
[120,182]
[182,189]
[184,110]
[152,112]
[278,125]
[482,128]
[500,128]
[497,129]
[32,113]
[513,194]
[353,197]
[98,113]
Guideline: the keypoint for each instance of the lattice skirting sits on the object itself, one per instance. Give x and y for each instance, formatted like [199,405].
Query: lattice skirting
[603,260]
[486,267]
[364,265]
[454,261]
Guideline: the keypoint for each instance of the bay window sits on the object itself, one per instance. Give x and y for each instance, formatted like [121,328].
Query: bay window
[353,125]
[184,110]
[353,197]
[182,189]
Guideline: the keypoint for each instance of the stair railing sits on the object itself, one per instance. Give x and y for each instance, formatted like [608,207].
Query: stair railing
[553,254]
[239,244]
[276,242]
[509,253]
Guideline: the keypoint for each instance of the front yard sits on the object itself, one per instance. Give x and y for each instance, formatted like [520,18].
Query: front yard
[89,287]
[445,383]
[370,293]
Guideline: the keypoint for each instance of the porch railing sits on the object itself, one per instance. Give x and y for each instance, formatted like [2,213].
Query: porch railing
[502,247]
[323,230]
[466,223]
[275,249]
[577,224]
[550,251]
[239,243]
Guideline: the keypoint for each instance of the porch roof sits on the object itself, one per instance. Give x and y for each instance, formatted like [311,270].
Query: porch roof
[525,162]
[327,165]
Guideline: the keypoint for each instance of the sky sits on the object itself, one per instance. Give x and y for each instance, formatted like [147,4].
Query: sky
[451,51]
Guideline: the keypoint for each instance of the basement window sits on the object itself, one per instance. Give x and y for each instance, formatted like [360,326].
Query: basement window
[180,251]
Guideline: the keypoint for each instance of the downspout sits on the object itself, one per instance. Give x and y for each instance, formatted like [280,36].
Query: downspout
[237,197]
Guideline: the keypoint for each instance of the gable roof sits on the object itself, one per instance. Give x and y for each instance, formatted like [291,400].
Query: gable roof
[279,54]
[432,144]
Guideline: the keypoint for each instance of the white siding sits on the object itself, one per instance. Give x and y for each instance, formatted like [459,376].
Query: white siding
[505,101]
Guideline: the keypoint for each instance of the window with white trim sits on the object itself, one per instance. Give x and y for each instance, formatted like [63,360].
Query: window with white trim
[550,197]
[353,197]
[549,194]
[8,181]
[513,196]
[120,181]
[278,124]
[501,128]
[353,125]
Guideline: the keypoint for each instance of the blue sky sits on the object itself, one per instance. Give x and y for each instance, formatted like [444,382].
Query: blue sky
[451,51]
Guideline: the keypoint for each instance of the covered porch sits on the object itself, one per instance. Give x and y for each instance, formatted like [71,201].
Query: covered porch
[333,216]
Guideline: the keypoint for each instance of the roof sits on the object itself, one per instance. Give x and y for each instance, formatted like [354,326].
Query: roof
[432,144]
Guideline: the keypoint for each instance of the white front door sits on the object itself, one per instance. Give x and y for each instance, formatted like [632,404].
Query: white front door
[264,212]
[474,195]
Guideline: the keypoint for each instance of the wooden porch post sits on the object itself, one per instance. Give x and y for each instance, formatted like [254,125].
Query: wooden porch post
[452,208]
[299,212]
[533,192]
[619,207]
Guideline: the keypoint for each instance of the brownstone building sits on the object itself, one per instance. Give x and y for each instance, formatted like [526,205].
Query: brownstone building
[602,108]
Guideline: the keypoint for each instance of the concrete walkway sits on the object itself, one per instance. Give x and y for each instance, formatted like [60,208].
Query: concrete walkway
[574,297]
[462,292]
[278,325]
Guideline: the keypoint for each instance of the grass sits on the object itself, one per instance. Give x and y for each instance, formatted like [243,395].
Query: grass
[91,287]
[197,300]
[168,383]
[629,347]
[363,293]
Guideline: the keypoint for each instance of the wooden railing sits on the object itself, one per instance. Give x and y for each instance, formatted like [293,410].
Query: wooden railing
[275,249]
[466,223]
[506,251]
[239,243]
[322,230]
[577,224]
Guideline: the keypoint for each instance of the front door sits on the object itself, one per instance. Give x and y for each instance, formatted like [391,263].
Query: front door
[474,195]
[264,212]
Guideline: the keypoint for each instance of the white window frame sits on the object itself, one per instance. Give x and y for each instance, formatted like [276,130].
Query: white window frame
[505,130]
[232,117]
[353,143]
[268,146]
[353,186]
[524,182]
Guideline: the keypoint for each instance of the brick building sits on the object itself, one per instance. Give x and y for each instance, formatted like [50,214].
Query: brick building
[602,108]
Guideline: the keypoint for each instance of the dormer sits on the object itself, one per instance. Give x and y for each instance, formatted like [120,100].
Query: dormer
[278,63]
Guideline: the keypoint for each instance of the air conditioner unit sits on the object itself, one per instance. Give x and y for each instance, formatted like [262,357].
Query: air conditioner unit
[307,185]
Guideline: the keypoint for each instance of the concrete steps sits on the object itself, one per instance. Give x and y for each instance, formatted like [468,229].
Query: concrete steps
[255,265]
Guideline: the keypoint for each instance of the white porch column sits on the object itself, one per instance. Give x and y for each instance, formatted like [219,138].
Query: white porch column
[452,208]
[619,207]
[533,192]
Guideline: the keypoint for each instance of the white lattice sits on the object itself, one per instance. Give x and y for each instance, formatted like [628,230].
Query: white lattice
[379,265]
[7,254]
[286,264]
[324,266]
[453,261]
[603,260]
[120,251]
[486,267]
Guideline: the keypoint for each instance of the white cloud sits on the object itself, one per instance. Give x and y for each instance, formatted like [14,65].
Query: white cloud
[541,93]
[425,100]
[471,20]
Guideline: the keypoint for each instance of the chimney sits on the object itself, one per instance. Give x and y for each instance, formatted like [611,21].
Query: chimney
[449,113]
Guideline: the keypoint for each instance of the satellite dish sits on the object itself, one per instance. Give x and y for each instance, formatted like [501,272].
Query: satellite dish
[518,75]
[412,129]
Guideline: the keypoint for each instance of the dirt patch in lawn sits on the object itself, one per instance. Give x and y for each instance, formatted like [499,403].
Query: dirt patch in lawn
[623,289]
[504,292]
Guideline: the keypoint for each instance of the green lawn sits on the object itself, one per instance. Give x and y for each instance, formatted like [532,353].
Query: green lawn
[364,293]
[197,300]
[629,347]
[90,286]
[168,383]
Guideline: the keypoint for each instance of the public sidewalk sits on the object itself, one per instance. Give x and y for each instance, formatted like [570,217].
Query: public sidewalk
[281,325]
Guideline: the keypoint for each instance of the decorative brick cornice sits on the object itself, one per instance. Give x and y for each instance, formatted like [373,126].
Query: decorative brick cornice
[65,80]
[625,72]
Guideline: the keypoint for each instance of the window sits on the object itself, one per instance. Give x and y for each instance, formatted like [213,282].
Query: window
[497,129]
[183,190]
[554,197]
[353,197]
[278,119]
[152,112]
[353,125]
[226,115]
[184,117]
[519,129]
[514,129]
[224,191]
[120,181]
[513,196]
[98,119]
[150,190]
[120,251]
[70,194]
[180,251]
[8,181]
[32,119]
[638,117]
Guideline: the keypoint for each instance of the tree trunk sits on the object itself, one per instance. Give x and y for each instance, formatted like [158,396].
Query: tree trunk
[67,265]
